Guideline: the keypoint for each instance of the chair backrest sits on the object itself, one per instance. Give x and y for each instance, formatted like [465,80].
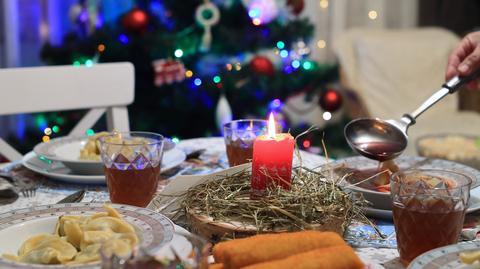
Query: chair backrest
[394,70]
[102,88]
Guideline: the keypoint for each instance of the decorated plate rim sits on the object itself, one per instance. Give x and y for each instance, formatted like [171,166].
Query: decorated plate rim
[429,256]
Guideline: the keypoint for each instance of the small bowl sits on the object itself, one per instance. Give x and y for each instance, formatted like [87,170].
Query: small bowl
[459,148]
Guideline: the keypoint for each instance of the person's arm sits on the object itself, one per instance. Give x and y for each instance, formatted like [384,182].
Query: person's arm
[465,58]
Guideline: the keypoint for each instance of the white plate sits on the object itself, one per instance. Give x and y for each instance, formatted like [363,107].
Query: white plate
[58,171]
[444,257]
[382,200]
[154,229]
[67,150]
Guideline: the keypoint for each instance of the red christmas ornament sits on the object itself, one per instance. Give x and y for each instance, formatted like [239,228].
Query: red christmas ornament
[167,71]
[296,6]
[135,20]
[262,65]
[330,100]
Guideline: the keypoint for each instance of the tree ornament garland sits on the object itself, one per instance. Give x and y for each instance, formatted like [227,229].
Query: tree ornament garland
[207,15]
[136,20]
[167,71]
[296,6]
[330,100]
[262,65]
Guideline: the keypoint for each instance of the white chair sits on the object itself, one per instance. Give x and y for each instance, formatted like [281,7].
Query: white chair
[101,88]
[393,71]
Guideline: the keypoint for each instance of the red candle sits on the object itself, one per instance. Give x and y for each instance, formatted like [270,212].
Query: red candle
[272,160]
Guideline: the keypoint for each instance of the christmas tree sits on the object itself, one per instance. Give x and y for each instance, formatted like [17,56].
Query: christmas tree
[200,63]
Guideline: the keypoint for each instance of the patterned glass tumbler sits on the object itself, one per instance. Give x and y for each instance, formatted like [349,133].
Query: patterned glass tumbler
[132,162]
[428,209]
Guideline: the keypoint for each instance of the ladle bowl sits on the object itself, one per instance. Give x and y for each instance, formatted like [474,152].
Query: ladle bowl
[375,138]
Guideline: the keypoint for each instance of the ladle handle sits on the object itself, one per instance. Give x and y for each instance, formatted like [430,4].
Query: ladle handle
[456,82]
[450,86]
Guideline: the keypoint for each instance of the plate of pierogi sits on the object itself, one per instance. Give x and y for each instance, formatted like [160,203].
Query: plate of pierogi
[77,234]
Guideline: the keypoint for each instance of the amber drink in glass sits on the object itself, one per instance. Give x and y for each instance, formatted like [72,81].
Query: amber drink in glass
[428,209]
[239,136]
[132,163]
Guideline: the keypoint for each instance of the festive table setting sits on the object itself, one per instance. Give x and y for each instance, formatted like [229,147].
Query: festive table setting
[215,190]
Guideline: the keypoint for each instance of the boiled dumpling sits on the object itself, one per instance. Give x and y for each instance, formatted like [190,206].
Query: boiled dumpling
[109,224]
[59,229]
[112,212]
[119,247]
[93,237]
[46,249]
[73,233]
[45,255]
[90,253]
[98,215]
[131,238]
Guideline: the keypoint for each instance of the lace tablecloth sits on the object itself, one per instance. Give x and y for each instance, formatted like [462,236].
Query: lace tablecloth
[380,252]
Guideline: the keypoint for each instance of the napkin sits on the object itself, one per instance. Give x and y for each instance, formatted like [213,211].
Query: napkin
[168,201]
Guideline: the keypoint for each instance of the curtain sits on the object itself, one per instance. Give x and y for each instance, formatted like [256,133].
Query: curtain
[460,16]
[332,17]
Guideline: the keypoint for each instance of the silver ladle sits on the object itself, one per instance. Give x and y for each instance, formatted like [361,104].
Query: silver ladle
[386,139]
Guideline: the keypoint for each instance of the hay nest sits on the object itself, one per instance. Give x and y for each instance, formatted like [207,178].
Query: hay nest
[223,208]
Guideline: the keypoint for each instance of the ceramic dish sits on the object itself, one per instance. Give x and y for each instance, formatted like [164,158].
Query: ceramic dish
[58,171]
[451,147]
[154,229]
[382,200]
[473,205]
[67,151]
[445,257]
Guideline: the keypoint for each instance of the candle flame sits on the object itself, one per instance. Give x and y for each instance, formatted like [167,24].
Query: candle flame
[271,125]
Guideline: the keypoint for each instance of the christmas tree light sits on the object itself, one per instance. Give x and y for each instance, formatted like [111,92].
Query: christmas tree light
[280,45]
[197,82]
[178,53]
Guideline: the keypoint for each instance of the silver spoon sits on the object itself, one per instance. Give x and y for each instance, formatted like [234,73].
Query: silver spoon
[386,139]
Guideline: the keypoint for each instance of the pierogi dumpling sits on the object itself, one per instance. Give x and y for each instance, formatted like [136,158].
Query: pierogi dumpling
[46,249]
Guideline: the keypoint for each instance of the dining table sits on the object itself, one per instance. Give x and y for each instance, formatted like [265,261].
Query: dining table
[374,241]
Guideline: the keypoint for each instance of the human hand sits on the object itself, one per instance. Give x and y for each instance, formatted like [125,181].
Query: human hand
[465,58]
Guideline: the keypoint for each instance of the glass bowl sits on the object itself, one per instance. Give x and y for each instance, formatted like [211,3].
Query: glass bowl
[185,251]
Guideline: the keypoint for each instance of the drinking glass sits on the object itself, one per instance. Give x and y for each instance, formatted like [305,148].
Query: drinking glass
[186,250]
[428,209]
[239,136]
[132,162]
